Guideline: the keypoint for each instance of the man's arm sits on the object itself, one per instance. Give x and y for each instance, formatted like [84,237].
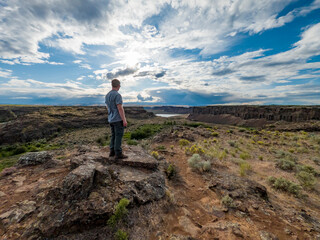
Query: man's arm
[122,115]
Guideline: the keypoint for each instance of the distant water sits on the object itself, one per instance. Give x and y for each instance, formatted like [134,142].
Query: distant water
[167,115]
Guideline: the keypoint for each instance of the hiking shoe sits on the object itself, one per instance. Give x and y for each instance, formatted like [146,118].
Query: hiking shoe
[121,156]
[112,154]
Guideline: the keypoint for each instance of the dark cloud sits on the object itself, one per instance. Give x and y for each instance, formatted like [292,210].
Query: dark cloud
[144,99]
[185,97]
[273,64]
[161,74]
[142,74]
[259,78]
[121,72]
[150,74]
[223,72]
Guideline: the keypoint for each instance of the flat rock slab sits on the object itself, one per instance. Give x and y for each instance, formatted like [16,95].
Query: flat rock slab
[127,174]
[137,157]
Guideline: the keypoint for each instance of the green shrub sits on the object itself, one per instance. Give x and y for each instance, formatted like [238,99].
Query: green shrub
[145,131]
[232,143]
[245,155]
[19,150]
[306,179]
[183,142]
[285,164]
[155,154]
[8,162]
[127,135]
[121,235]
[161,148]
[222,155]
[119,212]
[132,142]
[285,185]
[244,168]
[196,163]
[227,201]
[102,141]
[286,155]
[215,134]
[307,168]
[171,171]
[316,160]
[302,150]
[194,149]
[260,158]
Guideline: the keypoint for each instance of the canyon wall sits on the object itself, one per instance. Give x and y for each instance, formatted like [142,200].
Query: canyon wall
[269,113]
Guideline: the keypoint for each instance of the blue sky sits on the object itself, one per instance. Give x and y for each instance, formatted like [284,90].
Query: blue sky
[165,52]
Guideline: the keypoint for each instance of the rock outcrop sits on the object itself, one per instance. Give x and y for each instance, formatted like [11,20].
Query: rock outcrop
[34,158]
[81,198]
[268,113]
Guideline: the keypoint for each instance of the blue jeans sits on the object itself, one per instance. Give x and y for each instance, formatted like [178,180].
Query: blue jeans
[117,130]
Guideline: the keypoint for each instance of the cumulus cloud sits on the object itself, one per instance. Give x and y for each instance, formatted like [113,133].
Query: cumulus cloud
[209,26]
[82,65]
[4,73]
[145,44]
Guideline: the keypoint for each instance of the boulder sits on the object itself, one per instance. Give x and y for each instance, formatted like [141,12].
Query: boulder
[34,158]
[78,183]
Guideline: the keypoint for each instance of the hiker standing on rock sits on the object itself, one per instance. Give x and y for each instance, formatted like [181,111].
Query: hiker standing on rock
[117,119]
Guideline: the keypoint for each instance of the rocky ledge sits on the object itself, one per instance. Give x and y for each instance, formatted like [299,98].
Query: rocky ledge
[73,195]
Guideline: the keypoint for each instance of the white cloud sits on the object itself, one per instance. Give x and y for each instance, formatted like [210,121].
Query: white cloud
[5,73]
[207,25]
[82,65]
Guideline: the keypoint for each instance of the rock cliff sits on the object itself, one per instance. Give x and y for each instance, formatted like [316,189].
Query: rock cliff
[234,114]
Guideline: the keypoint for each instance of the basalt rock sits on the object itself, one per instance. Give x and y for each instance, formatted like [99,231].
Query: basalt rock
[34,158]
[234,114]
[83,198]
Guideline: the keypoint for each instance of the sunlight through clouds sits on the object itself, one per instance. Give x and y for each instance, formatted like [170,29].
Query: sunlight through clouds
[219,52]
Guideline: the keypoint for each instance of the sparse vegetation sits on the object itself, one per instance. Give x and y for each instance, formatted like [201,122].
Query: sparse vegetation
[196,163]
[232,143]
[171,171]
[285,185]
[215,134]
[306,179]
[285,164]
[316,160]
[245,155]
[132,142]
[183,142]
[160,148]
[194,149]
[245,167]
[144,131]
[121,235]
[35,146]
[227,201]
[155,154]
[120,211]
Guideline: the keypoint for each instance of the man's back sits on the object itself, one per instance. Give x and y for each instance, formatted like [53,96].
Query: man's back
[112,99]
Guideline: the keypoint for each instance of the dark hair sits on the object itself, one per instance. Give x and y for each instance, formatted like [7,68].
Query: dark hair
[115,83]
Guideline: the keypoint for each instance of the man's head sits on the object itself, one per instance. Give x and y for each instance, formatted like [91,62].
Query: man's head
[115,83]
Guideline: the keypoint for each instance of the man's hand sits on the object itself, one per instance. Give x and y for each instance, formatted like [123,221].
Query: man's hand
[125,123]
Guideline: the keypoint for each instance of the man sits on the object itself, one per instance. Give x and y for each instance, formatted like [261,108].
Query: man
[117,120]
